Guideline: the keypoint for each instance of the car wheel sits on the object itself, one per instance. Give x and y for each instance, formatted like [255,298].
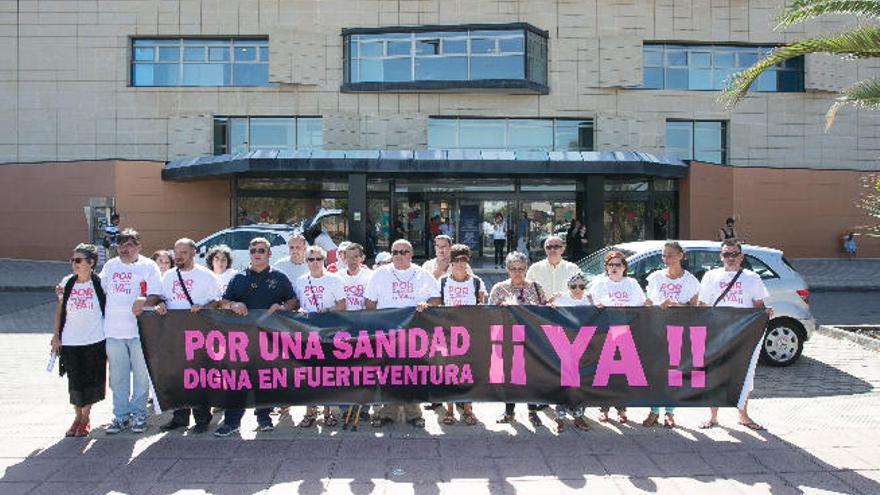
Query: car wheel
[783,342]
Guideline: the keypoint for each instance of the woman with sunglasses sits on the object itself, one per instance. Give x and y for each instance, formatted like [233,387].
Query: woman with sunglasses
[577,285]
[319,291]
[517,289]
[78,337]
[615,289]
[669,287]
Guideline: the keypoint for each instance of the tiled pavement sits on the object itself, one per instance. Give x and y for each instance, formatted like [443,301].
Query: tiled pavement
[822,417]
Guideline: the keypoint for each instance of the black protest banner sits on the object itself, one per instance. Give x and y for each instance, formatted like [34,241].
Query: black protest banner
[572,356]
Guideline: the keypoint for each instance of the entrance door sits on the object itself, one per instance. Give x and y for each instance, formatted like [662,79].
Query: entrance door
[547,218]
[410,223]
[490,211]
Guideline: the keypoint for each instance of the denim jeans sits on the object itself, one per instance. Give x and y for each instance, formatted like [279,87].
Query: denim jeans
[669,410]
[563,412]
[129,380]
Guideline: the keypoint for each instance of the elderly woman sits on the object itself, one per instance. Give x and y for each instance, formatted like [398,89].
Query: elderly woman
[78,337]
[219,261]
[577,285]
[615,289]
[164,259]
[517,290]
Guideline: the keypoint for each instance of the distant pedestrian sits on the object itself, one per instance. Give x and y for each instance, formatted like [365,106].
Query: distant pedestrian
[522,240]
[849,244]
[728,231]
[111,234]
[499,238]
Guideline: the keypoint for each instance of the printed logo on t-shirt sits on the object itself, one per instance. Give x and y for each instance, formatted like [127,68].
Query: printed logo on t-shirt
[81,299]
[177,289]
[734,295]
[670,291]
[354,295]
[314,294]
[120,282]
[458,296]
[402,291]
[618,297]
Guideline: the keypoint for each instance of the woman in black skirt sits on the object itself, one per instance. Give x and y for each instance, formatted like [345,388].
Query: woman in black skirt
[79,336]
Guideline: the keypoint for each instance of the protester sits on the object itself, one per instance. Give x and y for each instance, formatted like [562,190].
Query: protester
[499,237]
[78,337]
[163,259]
[294,264]
[339,266]
[382,258]
[615,289]
[193,287]
[728,231]
[401,285]
[355,277]
[669,287]
[219,260]
[518,289]
[124,279]
[553,273]
[319,291]
[440,265]
[111,235]
[576,296]
[258,287]
[733,286]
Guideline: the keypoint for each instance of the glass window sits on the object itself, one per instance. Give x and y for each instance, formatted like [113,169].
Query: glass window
[644,267]
[200,62]
[698,140]
[709,67]
[701,261]
[241,134]
[511,134]
[482,133]
[624,221]
[754,264]
[530,134]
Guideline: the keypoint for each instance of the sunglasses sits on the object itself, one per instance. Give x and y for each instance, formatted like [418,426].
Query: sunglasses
[77,260]
[554,246]
[578,286]
[259,250]
[730,255]
[312,260]
[401,252]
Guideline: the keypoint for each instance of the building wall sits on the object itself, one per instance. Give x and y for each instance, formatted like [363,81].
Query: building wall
[64,74]
[803,212]
[43,205]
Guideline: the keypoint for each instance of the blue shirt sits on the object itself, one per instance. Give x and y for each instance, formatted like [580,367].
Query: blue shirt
[259,290]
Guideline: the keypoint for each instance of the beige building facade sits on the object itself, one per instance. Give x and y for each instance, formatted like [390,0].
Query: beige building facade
[69,93]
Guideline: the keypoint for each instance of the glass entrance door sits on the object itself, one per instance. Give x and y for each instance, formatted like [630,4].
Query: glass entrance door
[410,223]
[496,222]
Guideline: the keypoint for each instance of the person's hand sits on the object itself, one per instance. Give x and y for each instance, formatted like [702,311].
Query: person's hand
[770,312]
[59,291]
[239,308]
[55,344]
[302,311]
[161,308]
[273,308]
[599,306]
[421,307]
[195,308]
[138,307]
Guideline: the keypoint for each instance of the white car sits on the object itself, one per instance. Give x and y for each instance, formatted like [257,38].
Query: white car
[792,323]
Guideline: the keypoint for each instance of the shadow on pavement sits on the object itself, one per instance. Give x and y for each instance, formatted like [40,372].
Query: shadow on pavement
[807,377]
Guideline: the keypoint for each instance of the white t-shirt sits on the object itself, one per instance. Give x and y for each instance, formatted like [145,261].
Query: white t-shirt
[202,284]
[224,278]
[84,323]
[123,283]
[461,293]
[355,287]
[291,269]
[499,231]
[318,294]
[681,290]
[392,288]
[567,300]
[627,292]
[748,288]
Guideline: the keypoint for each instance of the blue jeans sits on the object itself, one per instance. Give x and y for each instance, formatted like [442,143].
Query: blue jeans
[129,380]
[669,410]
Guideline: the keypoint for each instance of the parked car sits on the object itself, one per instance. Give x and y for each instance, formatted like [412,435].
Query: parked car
[792,323]
[238,238]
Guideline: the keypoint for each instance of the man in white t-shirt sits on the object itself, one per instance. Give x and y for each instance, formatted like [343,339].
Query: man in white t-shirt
[187,286]
[552,274]
[124,279]
[748,291]
[440,265]
[401,285]
[355,277]
[294,265]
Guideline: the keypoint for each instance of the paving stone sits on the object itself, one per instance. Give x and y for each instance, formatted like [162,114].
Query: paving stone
[251,470]
[634,464]
[196,470]
[143,470]
[16,488]
[676,464]
[17,469]
[86,469]
[731,463]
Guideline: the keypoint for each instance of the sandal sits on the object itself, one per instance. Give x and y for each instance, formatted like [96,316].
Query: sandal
[560,426]
[449,418]
[330,420]
[72,431]
[751,425]
[469,418]
[535,420]
[308,421]
[705,425]
[603,415]
[651,420]
[417,422]
[581,423]
[669,421]
[505,419]
[621,416]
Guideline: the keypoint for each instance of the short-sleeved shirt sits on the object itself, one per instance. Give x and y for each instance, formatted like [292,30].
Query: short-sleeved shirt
[431,264]
[530,293]
[748,288]
[202,285]
[680,290]
[84,324]
[355,287]
[124,283]
[318,294]
[224,278]
[392,288]
[553,279]
[567,300]
[606,292]
[462,293]
[260,290]
[291,269]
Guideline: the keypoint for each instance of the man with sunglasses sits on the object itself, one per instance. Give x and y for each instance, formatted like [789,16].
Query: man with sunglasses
[258,287]
[747,291]
[401,285]
[124,279]
[553,273]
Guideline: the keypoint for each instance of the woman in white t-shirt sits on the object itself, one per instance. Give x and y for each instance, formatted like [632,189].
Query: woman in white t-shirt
[577,285]
[219,260]
[668,287]
[78,337]
[318,292]
[615,289]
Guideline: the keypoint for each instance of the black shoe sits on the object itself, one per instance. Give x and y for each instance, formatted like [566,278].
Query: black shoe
[200,428]
[431,406]
[172,425]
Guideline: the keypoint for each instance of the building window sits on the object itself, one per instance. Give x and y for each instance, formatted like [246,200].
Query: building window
[507,56]
[702,140]
[511,134]
[241,134]
[709,67]
[200,62]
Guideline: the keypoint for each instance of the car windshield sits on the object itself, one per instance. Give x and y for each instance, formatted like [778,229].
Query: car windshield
[594,264]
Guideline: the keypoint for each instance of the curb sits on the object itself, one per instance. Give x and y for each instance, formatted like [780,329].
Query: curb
[839,334]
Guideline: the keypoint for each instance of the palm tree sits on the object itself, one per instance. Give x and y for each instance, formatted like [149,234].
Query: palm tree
[861,42]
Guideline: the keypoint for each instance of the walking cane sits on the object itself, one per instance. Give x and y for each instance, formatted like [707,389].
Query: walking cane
[347,417]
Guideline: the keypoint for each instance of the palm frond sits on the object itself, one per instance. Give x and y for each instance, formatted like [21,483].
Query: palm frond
[865,94]
[804,10]
[861,42]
